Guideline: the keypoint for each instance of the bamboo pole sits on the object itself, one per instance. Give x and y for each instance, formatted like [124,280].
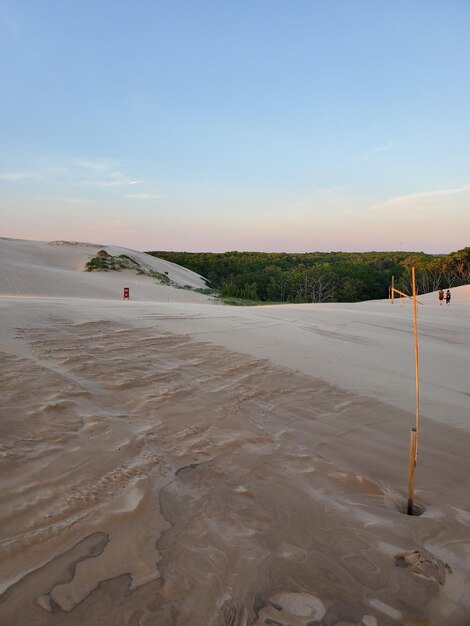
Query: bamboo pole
[405,295]
[415,320]
[411,471]
[414,436]
[401,293]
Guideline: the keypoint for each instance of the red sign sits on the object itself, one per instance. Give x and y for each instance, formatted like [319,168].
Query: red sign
[126,293]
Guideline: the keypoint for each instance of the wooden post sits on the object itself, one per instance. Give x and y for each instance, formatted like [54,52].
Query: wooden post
[393,288]
[411,471]
[414,437]
[415,320]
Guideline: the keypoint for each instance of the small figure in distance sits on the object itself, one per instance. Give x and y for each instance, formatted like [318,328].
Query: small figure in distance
[441,296]
[448,296]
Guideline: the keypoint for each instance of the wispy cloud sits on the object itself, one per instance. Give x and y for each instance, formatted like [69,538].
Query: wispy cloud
[143,196]
[74,172]
[116,179]
[96,166]
[422,195]
[109,176]
[386,147]
[14,177]
[71,200]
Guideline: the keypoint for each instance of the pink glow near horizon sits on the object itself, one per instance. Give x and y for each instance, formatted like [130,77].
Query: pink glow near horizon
[434,222]
[199,239]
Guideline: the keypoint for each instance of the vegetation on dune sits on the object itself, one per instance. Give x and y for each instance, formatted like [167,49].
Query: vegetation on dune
[243,301]
[162,278]
[259,277]
[105,262]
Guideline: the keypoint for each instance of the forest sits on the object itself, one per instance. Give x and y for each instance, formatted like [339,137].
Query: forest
[321,276]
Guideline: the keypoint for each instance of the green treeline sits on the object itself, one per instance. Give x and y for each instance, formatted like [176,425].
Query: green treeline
[322,276]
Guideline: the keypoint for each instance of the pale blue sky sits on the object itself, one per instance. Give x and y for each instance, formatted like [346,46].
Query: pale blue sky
[245,124]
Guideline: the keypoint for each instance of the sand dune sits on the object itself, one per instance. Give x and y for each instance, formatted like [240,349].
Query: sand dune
[56,269]
[175,462]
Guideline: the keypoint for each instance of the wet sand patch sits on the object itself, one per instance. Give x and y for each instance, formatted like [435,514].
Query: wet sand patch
[228,491]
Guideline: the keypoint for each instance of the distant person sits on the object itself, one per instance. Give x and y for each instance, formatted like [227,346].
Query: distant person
[448,296]
[441,296]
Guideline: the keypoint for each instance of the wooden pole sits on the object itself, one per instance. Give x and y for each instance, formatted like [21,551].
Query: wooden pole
[393,288]
[415,320]
[405,295]
[411,471]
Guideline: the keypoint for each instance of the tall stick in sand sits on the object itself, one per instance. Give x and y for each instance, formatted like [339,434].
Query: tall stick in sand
[415,321]
[411,471]
[413,459]
[414,431]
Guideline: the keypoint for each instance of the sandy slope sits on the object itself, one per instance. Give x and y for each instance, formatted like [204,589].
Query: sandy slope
[54,269]
[184,463]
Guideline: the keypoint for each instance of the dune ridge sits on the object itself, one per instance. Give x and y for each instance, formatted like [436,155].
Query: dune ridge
[57,269]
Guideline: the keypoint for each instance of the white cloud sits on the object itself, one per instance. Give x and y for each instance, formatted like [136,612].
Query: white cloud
[399,201]
[72,200]
[115,179]
[383,148]
[143,196]
[16,176]
[96,166]
[106,172]
[101,173]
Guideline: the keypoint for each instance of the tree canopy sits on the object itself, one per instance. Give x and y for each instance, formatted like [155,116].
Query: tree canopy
[321,276]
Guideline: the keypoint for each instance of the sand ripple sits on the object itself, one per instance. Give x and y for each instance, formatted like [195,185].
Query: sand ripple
[151,479]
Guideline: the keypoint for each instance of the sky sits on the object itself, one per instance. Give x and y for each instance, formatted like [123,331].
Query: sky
[214,125]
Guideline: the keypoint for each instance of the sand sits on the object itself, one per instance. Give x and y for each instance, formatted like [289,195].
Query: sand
[172,461]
